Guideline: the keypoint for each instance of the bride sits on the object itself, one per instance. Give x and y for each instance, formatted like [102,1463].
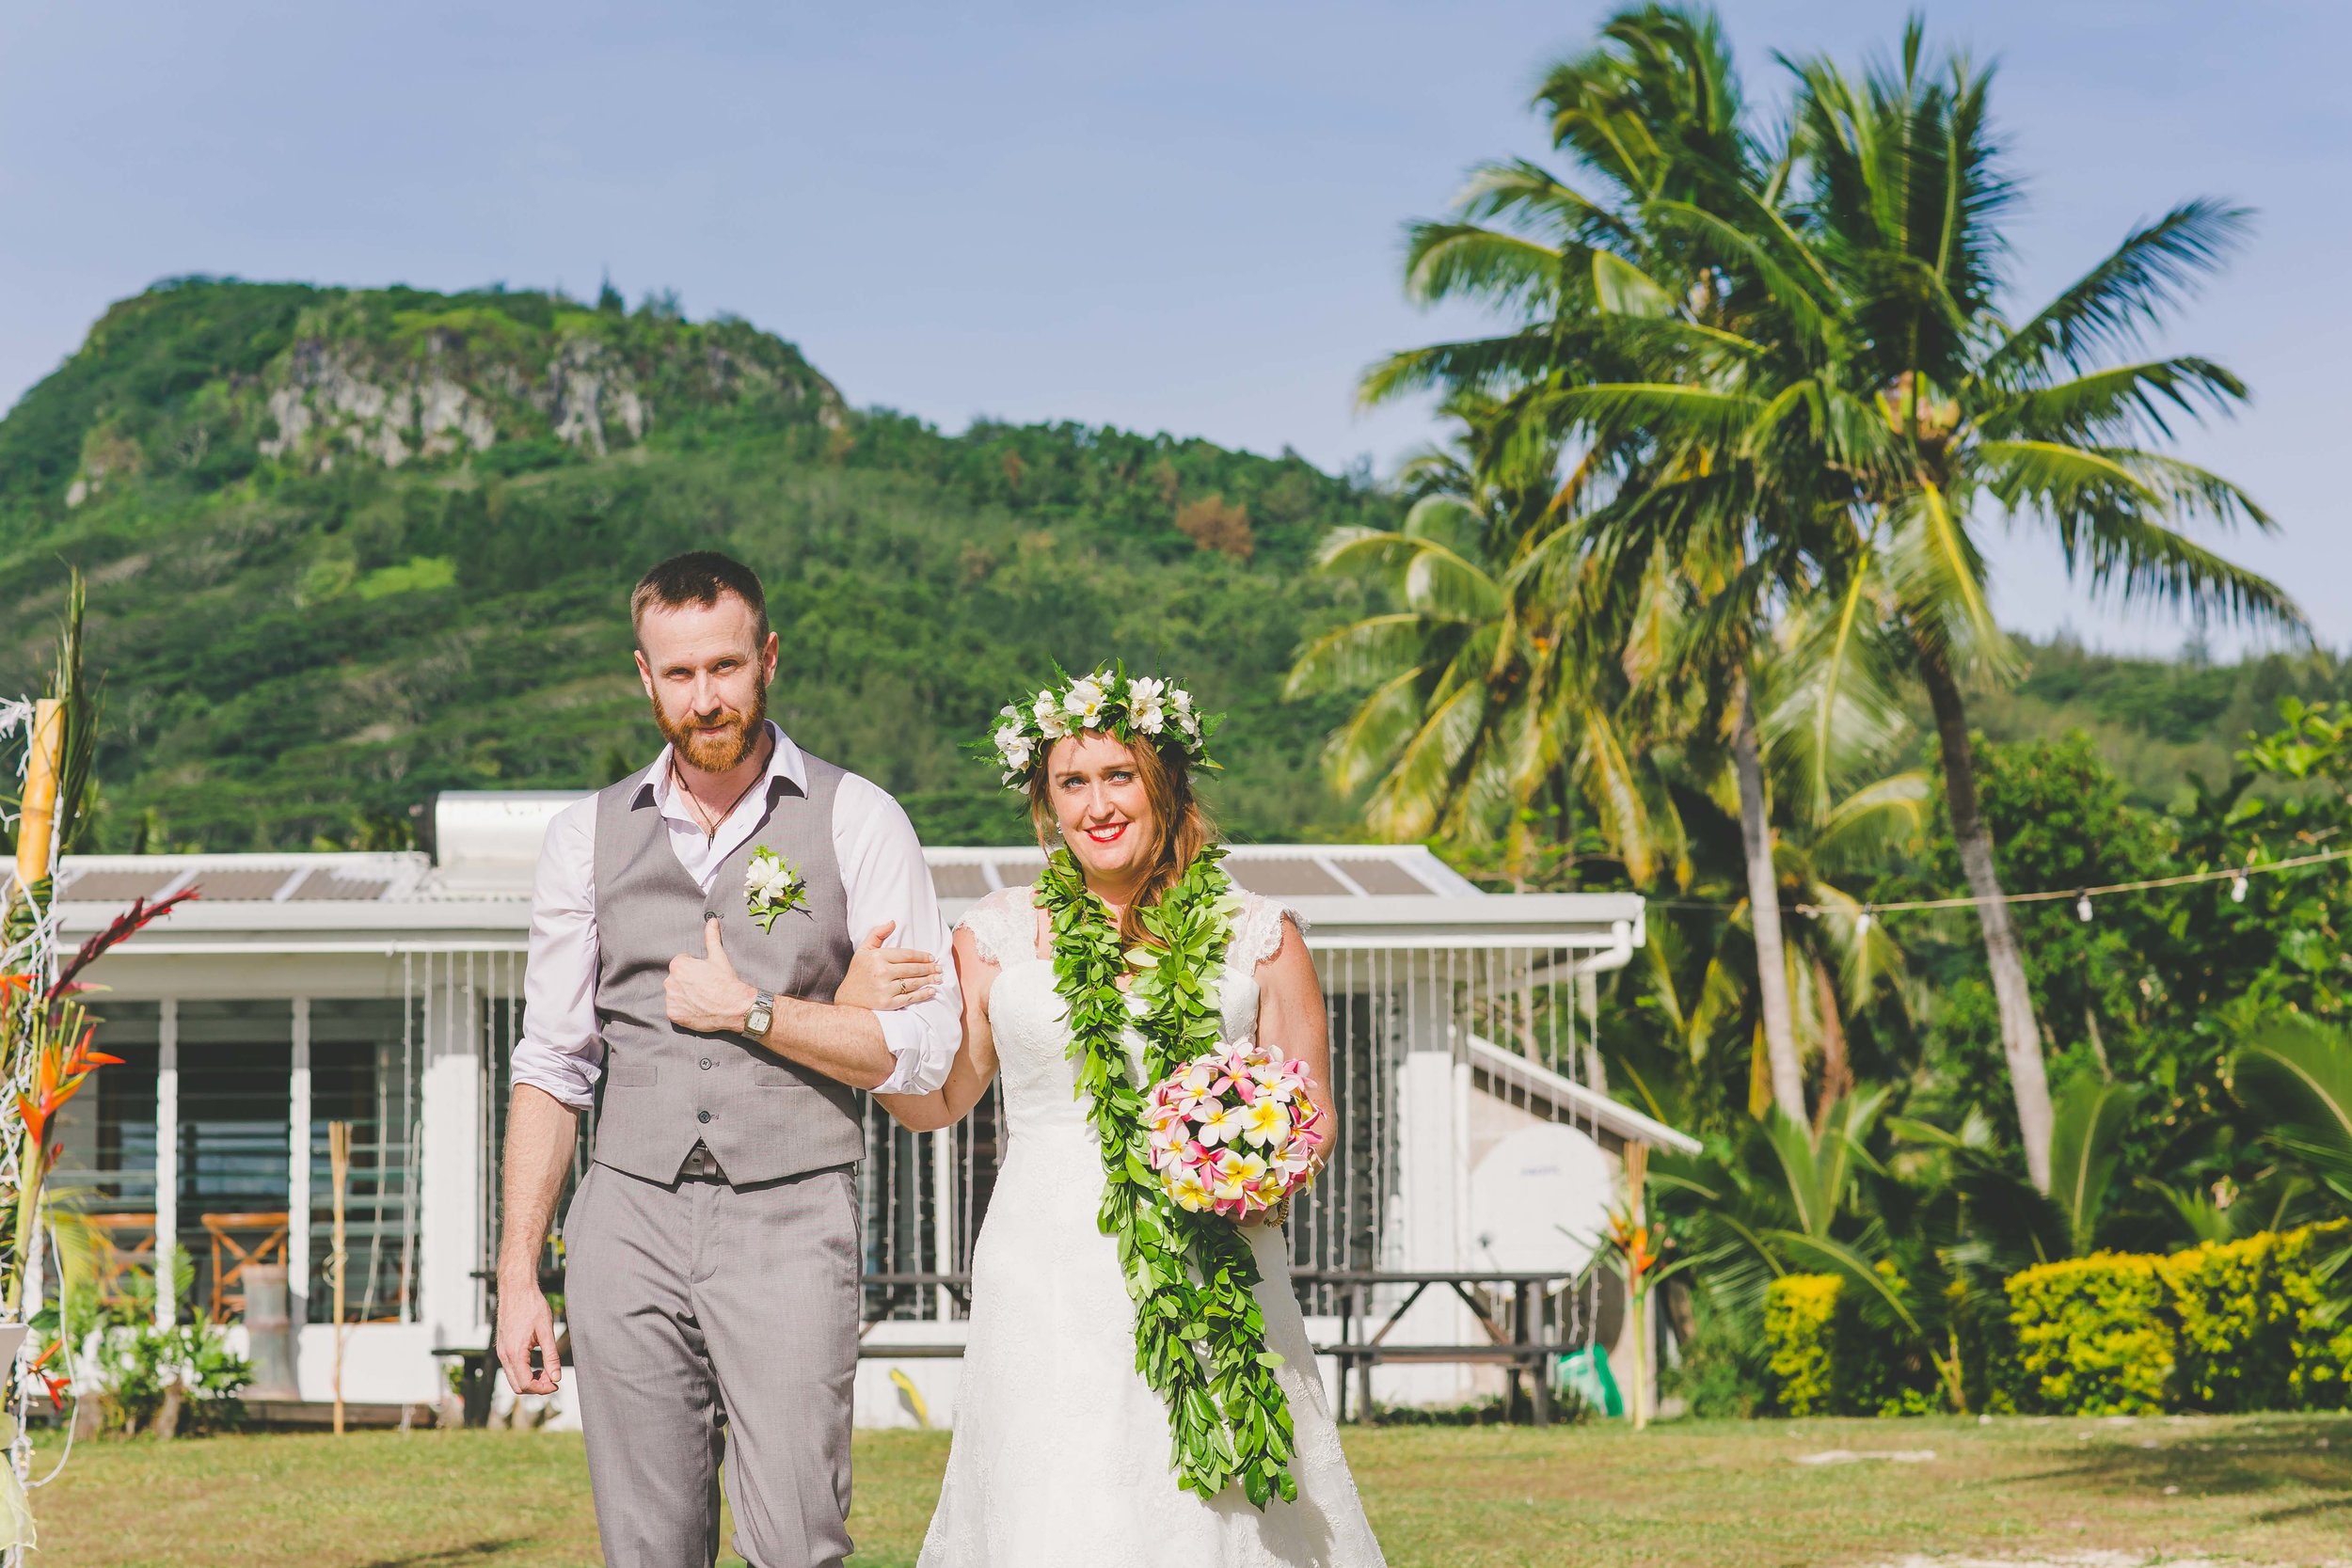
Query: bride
[1064,1452]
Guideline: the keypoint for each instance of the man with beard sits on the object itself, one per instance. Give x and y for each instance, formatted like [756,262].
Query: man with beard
[690,925]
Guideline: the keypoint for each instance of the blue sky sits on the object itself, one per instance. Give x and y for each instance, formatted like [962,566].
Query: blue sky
[1179,217]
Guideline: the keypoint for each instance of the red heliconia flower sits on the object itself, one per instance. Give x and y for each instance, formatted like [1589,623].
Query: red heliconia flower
[119,930]
[57,1385]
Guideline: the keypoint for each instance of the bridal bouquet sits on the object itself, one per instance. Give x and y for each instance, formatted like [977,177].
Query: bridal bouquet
[1234,1132]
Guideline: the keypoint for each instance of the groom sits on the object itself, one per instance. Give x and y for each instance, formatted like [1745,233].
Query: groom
[712,1251]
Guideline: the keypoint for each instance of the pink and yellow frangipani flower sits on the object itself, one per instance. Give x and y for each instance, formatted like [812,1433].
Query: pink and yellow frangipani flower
[1190,1193]
[1265,1121]
[1215,1124]
[1235,1131]
[1237,1176]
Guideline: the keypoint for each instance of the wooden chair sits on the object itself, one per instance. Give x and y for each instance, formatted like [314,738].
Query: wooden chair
[125,1243]
[231,1255]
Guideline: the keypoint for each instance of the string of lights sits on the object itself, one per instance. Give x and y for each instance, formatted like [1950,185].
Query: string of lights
[2234,874]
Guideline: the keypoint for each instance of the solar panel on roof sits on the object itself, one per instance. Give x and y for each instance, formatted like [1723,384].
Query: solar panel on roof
[1020,872]
[1286,876]
[327,884]
[1382,877]
[241,886]
[959,882]
[109,887]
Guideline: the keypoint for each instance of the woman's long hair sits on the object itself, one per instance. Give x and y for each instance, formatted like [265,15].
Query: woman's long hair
[1182,826]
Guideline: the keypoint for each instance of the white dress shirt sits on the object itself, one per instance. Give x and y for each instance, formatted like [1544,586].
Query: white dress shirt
[881,870]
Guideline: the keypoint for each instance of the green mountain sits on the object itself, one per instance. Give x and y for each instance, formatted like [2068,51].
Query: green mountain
[2157,723]
[347,548]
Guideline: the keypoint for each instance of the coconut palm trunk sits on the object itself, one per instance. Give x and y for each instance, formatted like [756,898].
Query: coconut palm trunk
[2021,1036]
[1771,953]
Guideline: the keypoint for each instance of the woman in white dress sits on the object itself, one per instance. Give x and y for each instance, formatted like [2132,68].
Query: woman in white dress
[1062,1451]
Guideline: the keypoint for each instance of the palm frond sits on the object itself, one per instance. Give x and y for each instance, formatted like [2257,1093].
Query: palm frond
[1450,261]
[1371,652]
[2111,307]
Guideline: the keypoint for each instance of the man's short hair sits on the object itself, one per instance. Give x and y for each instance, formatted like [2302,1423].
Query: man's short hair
[700,576]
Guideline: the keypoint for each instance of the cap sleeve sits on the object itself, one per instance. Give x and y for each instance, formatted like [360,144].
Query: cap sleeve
[1003,927]
[1259,935]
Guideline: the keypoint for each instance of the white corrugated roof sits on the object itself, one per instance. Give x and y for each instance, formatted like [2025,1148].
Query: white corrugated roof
[477,889]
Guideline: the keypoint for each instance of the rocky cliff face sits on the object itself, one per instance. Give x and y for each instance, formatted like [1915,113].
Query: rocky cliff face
[399,376]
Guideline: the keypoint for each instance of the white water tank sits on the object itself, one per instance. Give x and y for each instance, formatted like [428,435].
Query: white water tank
[1539,1201]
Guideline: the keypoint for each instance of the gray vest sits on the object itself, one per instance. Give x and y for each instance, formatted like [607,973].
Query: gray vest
[668,1089]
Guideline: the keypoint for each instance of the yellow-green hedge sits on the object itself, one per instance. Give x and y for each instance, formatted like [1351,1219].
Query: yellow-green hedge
[2233,1325]
[2228,1326]
[2250,1316]
[1799,1312]
[1825,1360]
[2092,1337]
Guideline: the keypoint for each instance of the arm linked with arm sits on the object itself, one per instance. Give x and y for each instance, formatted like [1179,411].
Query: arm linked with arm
[975,1064]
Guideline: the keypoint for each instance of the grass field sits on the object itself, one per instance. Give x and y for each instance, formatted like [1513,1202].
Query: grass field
[1688,1494]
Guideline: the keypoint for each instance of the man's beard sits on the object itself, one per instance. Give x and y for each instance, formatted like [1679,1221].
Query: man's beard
[715,754]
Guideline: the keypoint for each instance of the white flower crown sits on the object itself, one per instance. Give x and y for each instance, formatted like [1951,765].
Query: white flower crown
[1109,702]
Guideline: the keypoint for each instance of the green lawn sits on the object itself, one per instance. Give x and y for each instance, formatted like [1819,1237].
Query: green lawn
[2267,1490]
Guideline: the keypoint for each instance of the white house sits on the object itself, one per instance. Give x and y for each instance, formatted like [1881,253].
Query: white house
[385,990]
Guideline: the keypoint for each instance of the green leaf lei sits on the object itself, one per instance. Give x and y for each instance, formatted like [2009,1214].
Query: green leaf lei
[1199,1337]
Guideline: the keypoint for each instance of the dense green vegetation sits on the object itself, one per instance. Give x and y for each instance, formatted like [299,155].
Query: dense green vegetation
[303,639]
[302,647]
[1699,601]
[1696,604]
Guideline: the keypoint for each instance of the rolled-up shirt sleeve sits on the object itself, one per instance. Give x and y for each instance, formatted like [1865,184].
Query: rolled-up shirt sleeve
[560,1050]
[885,878]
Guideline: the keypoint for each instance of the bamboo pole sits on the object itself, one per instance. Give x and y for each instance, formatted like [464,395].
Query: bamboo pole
[339,1166]
[37,822]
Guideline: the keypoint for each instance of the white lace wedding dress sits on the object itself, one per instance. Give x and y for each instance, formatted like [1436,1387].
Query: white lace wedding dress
[1061,1450]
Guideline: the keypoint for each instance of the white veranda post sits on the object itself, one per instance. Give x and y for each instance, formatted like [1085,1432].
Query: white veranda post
[453,1179]
[298,1169]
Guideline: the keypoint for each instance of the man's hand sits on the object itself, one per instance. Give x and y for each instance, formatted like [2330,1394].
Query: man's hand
[705,993]
[525,1323]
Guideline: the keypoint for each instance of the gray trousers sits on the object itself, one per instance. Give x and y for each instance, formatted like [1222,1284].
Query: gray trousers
[710,1322]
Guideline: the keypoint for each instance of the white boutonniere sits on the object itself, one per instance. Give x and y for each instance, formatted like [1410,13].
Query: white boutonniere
[772,888]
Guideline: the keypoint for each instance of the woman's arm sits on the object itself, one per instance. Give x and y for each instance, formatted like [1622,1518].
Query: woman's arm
[975,1064]
[1291,1014]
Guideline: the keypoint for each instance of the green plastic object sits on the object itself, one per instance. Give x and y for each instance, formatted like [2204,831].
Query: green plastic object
[1585,1374]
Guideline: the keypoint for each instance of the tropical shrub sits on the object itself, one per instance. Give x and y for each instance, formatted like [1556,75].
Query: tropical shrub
[170,1381]
[1799,1311]
[2093,1337]
[2254,1330]
[1827,1356]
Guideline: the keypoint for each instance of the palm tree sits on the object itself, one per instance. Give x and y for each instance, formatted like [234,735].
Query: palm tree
[1955,419]
[1602,294]
[1865,411]
[1468,696]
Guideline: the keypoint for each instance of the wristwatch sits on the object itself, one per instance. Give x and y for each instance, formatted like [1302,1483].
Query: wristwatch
[763,1012]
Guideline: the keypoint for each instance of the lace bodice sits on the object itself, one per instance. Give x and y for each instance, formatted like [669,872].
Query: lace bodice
[1030,1021]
